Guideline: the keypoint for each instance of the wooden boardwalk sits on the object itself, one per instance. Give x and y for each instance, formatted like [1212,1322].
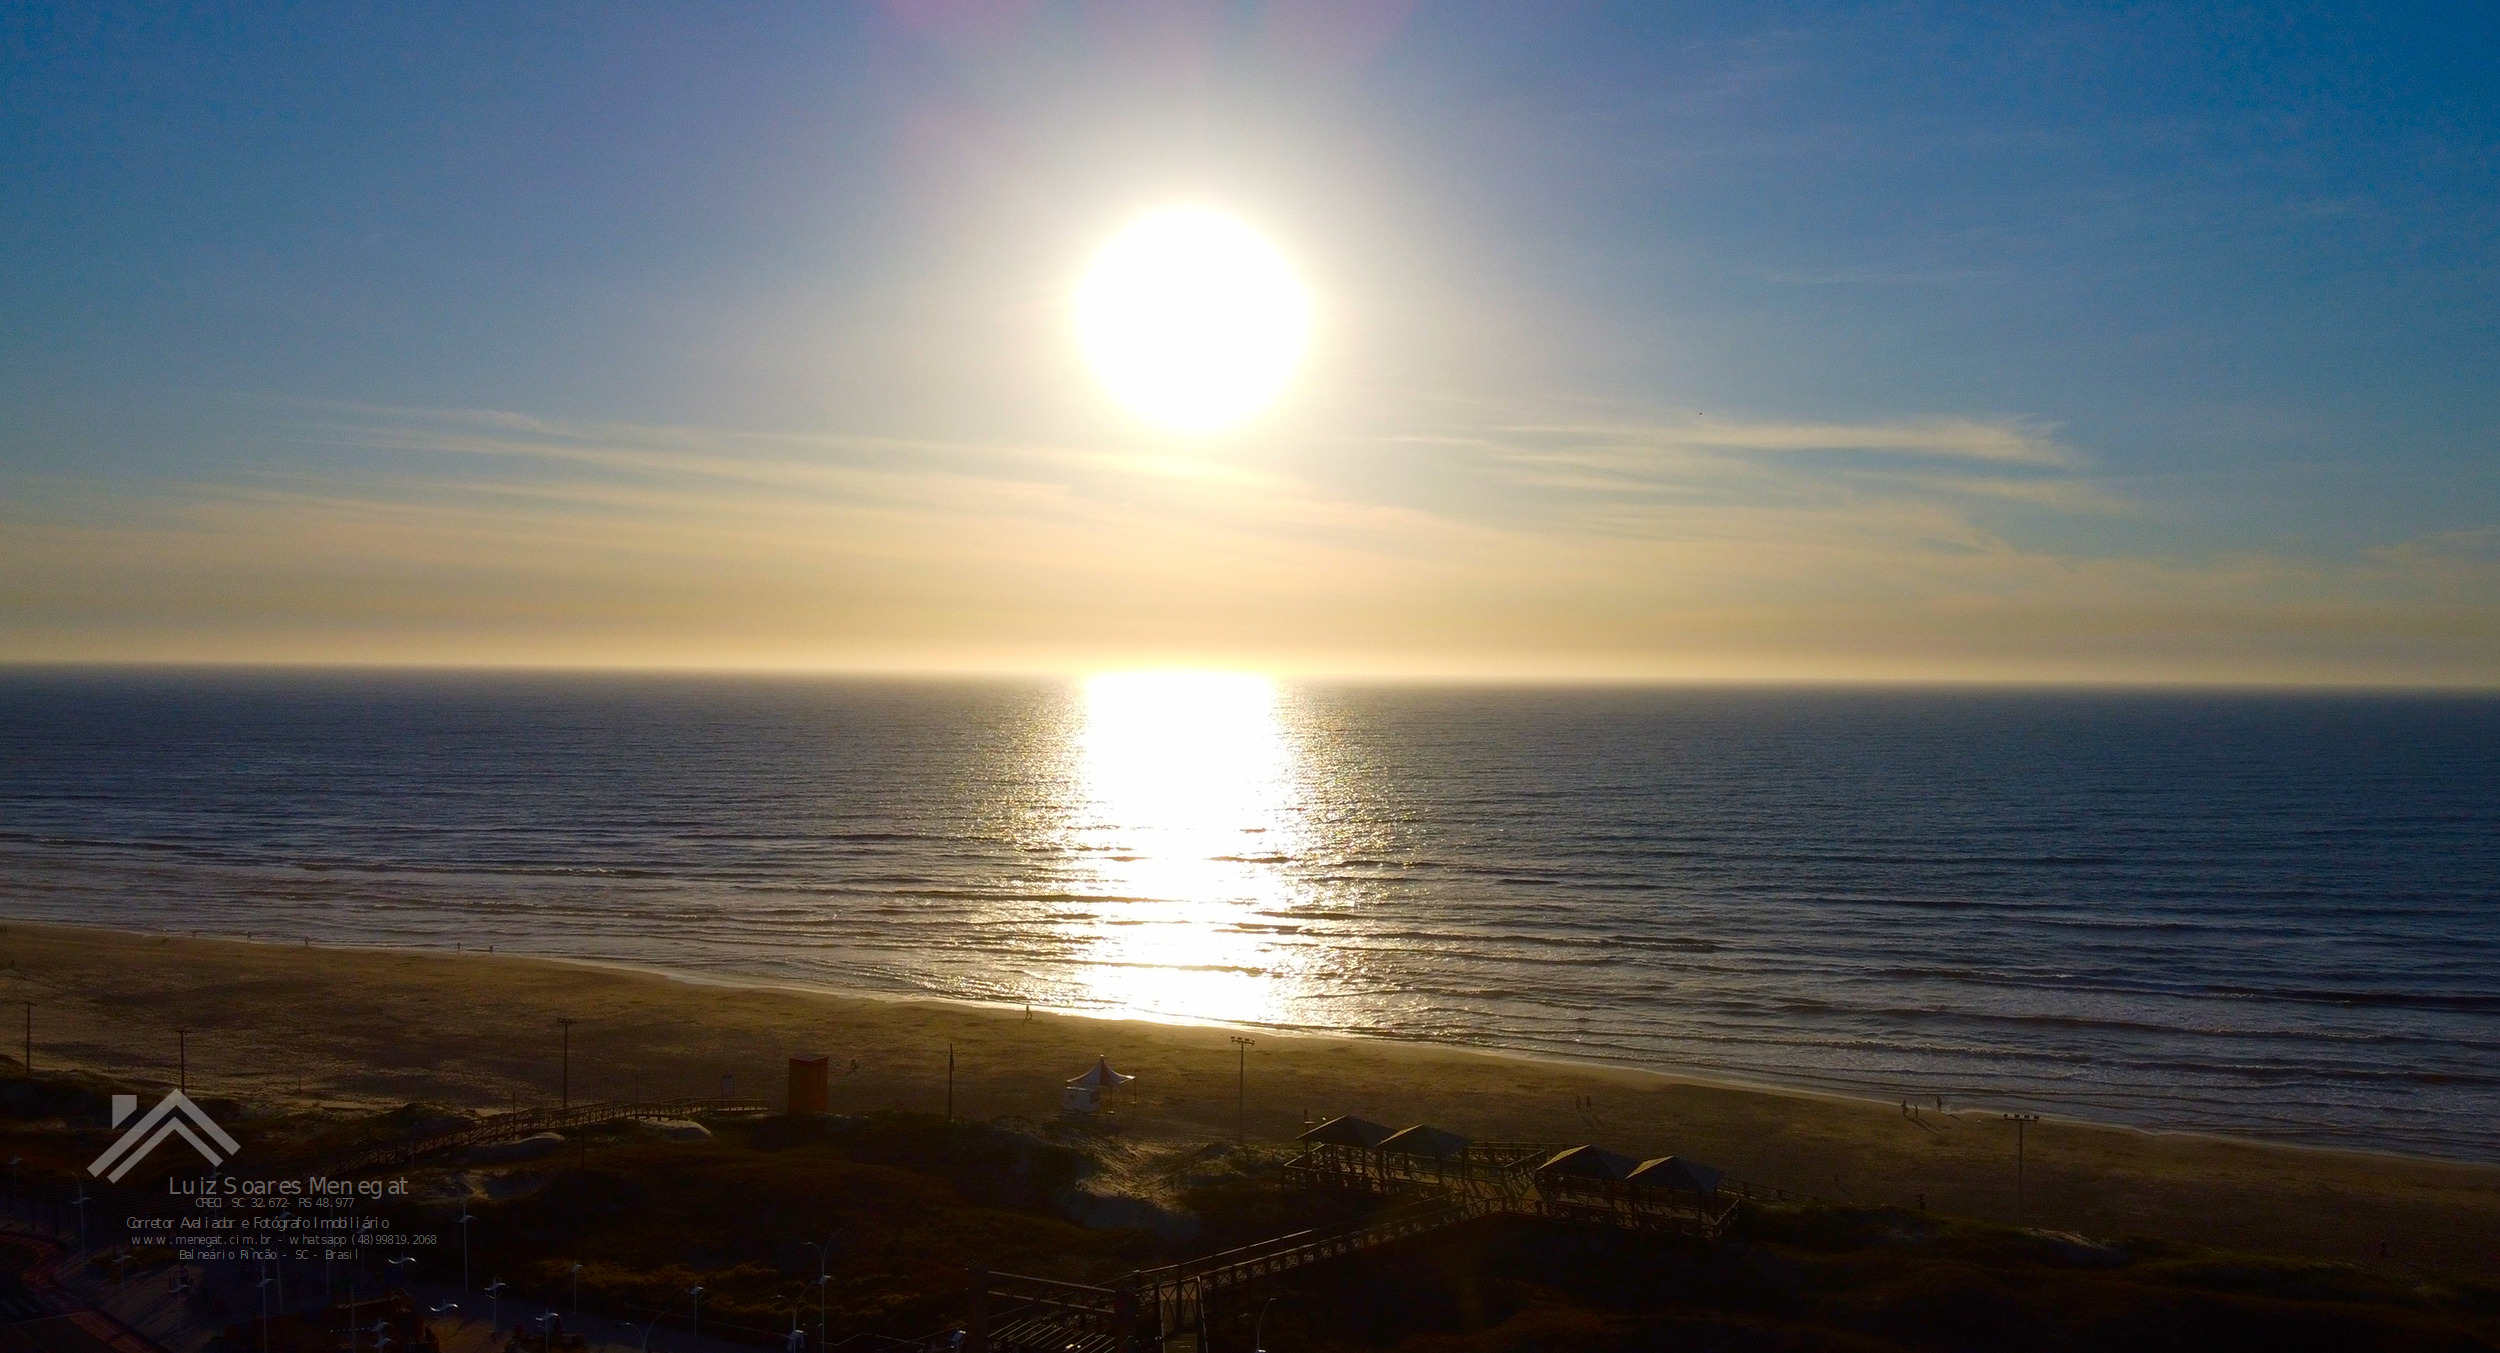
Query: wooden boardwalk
[1166,1308]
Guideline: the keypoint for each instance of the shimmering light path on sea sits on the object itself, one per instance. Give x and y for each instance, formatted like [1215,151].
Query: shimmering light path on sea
[2272,914]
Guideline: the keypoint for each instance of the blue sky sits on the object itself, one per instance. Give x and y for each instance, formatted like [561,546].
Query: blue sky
[1856,341]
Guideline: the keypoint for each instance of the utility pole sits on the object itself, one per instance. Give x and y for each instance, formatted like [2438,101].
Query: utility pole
[182,1054]
[567,1081]
[1241,1091]
[824,1256]
[2020,1122]
[950,1084]
[30,1036]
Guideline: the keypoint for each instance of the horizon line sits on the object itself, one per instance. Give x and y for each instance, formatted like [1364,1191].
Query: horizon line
[1342,676]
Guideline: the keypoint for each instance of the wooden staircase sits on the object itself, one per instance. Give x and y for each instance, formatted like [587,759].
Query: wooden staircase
[1167,1307]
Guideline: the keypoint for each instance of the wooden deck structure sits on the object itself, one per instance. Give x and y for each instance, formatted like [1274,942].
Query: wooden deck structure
[1440,1180]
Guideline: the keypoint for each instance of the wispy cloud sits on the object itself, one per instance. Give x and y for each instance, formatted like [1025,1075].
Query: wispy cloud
[2010,441]
[1718,547]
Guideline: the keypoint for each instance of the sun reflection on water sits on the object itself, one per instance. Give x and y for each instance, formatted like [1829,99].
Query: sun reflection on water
[1188,802]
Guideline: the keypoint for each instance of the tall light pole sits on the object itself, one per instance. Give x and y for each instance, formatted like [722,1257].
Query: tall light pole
[182,1062]
[1258,1332]
[824,1256]
[1241,1091]
[464,1247]
[2020,1122]
[568,1063]
[697,1293]
[30,1036]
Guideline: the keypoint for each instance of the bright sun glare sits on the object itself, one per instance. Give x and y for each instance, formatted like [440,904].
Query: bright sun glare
[1191,804]
[1192,320]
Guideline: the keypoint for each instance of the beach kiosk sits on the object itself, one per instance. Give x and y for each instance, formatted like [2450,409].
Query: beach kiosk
[1593,1164]
[1083,1094]
[1344,1151]
[1677,1174]
[1403,1153]
[1678,1193]
[1583,1181]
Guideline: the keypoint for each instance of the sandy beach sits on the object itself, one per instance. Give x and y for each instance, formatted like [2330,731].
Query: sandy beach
[290,1024]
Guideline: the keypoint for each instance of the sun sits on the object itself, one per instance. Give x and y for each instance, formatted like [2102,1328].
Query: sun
[1191,320]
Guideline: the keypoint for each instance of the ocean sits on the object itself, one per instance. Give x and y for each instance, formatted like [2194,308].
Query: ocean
[2272,915]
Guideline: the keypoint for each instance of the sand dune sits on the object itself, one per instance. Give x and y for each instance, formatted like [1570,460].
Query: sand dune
[287,1023]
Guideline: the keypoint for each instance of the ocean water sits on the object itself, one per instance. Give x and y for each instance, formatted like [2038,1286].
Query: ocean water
[2273,915]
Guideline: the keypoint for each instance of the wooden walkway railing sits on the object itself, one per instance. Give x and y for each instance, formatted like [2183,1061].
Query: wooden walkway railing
[1166,1308]
[1503,1179]
[1153,1308]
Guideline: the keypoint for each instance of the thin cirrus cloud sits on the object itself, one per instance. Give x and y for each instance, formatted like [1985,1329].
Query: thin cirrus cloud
[1551,548]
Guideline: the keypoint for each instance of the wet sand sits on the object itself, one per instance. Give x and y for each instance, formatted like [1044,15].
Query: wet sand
[286,1024]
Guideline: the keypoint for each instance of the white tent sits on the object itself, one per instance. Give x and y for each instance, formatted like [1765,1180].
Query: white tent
[1084,1093]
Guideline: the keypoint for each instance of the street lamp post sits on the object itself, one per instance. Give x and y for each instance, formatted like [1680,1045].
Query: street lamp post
[1258,1332]
[30,1036]
[494,1306]
[80,1202]
[465,1219]
[824,1258]
[2020,1122]
[182,1059]
[697,1293]
[1241,1088]
[567,1081]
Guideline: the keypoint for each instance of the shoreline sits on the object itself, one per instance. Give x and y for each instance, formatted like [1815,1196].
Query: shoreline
[289,1024]
[695,978]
